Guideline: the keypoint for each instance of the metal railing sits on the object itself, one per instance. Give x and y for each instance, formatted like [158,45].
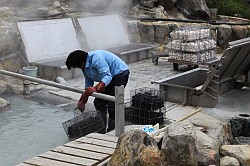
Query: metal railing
[118,98]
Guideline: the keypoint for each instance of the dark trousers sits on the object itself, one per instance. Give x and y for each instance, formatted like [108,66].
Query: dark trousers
[105,106]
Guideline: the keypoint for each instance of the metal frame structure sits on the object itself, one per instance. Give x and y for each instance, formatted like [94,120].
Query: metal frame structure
[202,87]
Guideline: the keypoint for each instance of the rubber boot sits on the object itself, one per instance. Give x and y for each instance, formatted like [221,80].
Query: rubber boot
[111,125]
[104,118]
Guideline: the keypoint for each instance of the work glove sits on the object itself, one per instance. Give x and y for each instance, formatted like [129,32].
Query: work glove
[100,87]
[82,101]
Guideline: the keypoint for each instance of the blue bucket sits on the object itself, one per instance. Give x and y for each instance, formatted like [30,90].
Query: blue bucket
[30,71]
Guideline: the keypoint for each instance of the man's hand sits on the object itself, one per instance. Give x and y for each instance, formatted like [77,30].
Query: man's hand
[90,90]
[82,101]
[100,87]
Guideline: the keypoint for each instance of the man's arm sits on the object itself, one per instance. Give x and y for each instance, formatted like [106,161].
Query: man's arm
[99,63]
[88,81]
[102,67]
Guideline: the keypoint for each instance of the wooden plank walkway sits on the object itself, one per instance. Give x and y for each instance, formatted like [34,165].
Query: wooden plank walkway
[92,149]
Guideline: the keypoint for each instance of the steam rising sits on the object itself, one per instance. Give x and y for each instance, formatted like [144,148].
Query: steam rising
[106,6]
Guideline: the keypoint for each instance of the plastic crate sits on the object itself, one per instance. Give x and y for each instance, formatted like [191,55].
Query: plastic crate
[83,124]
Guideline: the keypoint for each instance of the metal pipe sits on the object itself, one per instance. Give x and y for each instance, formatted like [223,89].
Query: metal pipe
[61,86]
[138,50]
[190,21]
[6,57]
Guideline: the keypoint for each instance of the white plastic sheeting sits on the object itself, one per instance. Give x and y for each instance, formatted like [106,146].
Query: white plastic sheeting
[103,32]
[48,40]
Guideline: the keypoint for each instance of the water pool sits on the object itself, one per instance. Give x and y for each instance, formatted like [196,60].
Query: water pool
[29,128]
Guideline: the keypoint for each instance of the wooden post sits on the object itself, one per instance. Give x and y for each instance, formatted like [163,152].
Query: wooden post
[119,110]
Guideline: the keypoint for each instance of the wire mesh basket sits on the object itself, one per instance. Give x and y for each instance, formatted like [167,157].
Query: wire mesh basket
[83,124]
[146,106]
[146,98]
[242,140]
[143,117]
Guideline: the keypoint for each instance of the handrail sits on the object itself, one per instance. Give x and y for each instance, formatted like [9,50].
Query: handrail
[58,85]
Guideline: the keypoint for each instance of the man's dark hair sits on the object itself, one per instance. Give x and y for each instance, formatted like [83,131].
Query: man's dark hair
[76,59]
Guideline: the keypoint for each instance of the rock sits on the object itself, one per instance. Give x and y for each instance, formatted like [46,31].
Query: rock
[229,161]
[207,149]
[229,133]
[3,84]
[179,145]
[146,31]
[167,4]
[150,156]
[184,138]
[147,3]
[240,152]
[239,32]
[223,34]
[194,9]
[9,37]
[136,148]
[215,128]
[7,13]
[143,12]
[3,103]
[160,12]
[248,27]
[162,32]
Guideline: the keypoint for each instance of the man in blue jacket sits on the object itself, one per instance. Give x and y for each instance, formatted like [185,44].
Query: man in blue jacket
[105,68]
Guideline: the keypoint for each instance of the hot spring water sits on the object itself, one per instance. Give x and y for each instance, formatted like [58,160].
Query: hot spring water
[28,129]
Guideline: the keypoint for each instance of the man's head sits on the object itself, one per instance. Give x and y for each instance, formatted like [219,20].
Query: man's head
[76,59]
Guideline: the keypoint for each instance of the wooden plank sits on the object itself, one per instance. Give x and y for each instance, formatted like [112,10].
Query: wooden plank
[94,141]
[39,161]
[88,150]
[68,158]
[104,137]
[80,153]
[90,147]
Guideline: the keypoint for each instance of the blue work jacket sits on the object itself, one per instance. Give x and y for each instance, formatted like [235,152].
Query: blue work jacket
[102,66]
